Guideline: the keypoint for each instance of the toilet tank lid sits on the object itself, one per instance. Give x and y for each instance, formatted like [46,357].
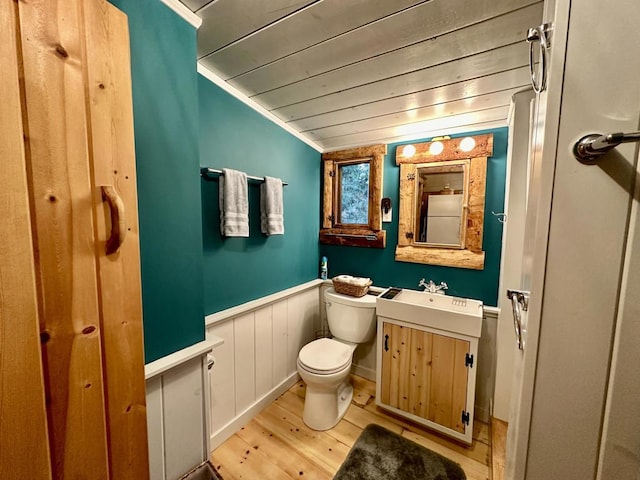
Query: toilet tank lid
[366,301]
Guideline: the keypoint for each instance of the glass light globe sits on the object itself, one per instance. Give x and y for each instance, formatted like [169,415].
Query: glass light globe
[408,151]
[436,148]
[467,144]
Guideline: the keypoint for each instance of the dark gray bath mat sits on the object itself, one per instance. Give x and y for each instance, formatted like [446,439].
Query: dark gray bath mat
[206,471]
[379,454]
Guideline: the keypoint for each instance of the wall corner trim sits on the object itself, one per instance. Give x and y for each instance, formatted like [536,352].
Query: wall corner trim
[182,10]
[488,311]
[172,360]
[234,92]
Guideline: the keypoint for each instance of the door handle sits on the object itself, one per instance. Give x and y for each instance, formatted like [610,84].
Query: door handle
[118,224]
[519,303]
[386,343]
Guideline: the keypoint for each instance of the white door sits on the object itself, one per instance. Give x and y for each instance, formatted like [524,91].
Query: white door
[575,236]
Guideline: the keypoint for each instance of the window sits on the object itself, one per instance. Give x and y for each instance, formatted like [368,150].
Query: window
[352,195]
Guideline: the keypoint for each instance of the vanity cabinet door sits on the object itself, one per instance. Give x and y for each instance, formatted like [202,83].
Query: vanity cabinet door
[425,374]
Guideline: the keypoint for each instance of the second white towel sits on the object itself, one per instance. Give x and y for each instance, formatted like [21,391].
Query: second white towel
[271,207]
[234,204]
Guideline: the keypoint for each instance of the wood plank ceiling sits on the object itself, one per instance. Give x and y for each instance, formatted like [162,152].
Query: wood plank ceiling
[358,72]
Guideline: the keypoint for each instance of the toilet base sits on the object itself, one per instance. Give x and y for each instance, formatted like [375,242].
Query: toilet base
[323,408]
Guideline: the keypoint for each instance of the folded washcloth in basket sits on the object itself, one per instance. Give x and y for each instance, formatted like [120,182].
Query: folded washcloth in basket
[356,281]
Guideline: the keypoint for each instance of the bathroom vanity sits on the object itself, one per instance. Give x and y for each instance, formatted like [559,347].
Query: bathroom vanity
[427,358]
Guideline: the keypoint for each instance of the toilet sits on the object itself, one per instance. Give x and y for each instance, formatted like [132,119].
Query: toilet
[325,364]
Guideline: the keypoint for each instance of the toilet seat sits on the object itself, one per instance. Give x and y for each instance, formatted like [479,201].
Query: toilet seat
[325,356]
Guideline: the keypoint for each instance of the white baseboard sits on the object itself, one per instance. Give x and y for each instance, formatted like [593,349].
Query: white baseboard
[482,414]
[368,373]
[239,421]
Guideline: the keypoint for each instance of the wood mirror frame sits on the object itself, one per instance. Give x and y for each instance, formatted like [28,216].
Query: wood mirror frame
[408,250]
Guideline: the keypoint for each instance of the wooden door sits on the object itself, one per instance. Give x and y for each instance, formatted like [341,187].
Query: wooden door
[70,129]
[425,374]
[24,450]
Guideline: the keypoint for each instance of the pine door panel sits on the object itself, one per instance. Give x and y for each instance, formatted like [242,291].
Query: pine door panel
[425,374]
[385,386]
[420,381]
[460,385]
[62,204]
[396,362]
[112,154]
[24,449]
[442,361]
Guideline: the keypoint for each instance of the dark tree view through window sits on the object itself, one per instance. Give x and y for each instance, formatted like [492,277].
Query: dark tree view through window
[354,193]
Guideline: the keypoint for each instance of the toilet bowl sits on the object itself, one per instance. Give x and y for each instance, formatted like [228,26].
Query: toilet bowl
[324,364]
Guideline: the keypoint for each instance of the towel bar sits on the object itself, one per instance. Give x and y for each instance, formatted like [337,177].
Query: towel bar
[205,172]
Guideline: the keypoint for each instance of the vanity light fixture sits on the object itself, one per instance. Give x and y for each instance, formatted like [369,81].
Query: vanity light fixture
[467,144]
[408,151]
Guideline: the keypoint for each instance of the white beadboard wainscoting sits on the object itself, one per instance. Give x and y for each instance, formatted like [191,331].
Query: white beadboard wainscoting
[178,410]
[257,361]
[486,374]
[262,338]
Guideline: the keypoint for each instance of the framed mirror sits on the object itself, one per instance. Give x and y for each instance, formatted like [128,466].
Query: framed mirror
[442,192]
[441,204]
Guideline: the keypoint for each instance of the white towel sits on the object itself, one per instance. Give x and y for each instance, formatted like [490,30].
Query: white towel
[234,204]
[271,207]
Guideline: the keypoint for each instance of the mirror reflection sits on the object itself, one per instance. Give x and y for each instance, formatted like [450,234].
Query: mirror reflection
[441,203]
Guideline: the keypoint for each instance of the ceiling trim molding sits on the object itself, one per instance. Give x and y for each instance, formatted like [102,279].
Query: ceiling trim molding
[212,77]
[182,10]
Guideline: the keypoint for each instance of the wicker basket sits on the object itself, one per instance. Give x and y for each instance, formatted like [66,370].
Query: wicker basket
[349,289]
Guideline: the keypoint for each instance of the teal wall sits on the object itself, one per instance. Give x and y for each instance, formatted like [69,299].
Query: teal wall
[380,264]
[237,270]
[165,107]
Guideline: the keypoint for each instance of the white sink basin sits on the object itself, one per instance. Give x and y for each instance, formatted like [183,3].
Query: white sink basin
[443,312]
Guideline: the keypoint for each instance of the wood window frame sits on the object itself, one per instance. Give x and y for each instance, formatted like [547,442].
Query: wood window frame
[472,256]
[332,231]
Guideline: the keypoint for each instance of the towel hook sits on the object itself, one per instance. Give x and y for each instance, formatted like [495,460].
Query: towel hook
[502,217]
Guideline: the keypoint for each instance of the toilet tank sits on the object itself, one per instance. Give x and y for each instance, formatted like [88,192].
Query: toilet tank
[352,319]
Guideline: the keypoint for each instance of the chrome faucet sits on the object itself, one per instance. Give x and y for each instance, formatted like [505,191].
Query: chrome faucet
[431,287]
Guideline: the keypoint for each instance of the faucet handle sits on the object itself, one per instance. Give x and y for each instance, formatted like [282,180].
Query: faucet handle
[444,286]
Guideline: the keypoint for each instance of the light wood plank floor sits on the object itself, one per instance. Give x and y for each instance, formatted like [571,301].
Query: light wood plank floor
[276,444]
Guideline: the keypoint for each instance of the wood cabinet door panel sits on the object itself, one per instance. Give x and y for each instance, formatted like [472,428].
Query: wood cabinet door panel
[385,374]
[397,359]
[425,374]
[442,360]
[420,380]
[460,386]
[448,394]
